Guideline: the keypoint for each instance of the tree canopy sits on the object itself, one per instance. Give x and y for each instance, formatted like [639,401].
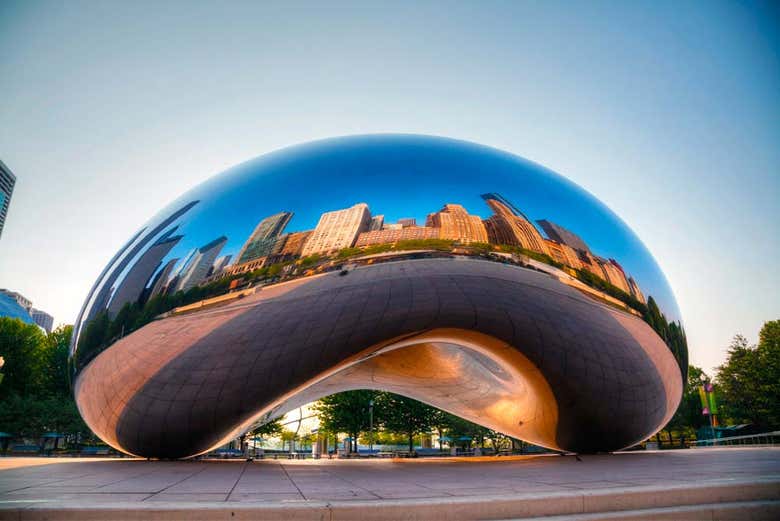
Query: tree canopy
[35,392]
[749,380]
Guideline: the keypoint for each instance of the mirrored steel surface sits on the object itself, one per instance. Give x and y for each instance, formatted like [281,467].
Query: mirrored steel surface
[453,273]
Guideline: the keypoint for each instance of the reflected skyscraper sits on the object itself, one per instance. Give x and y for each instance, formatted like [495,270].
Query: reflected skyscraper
[377,222]
[338,229]
[160,282]
[510,226]
[562,235]
[105,283]
[261,242]
[220,264]
[135,281]
[200,264]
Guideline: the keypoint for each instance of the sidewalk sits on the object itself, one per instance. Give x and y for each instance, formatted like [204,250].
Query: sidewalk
[462,488]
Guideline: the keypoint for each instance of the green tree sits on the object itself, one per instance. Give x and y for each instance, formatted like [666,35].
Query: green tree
[749,381]
[55,361]
[36,395]
[457,427]
[272,428]
[21,347]
[346,412]
[404,415]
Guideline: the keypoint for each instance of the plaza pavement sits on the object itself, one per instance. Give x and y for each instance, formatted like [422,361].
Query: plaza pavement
[686,484]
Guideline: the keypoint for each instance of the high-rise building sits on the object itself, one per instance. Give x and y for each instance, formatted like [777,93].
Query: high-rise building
[43,319]
[7,182]
[132,286]
[263,238]
[16,305]
[9,307]
[338,229]
[376,223]
[199,267]
[558,233]
[389,236]
[509,226]
[19,298]
[455,223]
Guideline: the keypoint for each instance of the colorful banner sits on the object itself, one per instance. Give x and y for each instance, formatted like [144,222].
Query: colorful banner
[709,404]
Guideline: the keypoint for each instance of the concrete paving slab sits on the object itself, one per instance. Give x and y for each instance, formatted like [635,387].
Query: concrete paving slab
[513,487]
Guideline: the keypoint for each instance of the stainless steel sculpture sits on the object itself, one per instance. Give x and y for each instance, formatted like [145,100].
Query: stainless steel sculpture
[456,274]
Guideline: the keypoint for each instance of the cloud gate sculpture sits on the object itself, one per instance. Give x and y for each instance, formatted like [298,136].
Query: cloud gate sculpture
[456,274]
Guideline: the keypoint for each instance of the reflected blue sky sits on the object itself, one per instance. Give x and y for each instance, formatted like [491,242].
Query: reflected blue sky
[401,176]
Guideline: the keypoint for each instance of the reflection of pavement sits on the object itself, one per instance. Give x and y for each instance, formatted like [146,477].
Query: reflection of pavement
[736,475]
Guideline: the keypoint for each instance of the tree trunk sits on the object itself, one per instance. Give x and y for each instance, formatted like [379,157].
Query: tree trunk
[411,443]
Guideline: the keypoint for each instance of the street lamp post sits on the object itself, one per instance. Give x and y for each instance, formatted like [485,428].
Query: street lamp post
[371,427]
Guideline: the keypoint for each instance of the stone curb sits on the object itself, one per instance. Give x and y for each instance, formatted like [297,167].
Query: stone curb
[753,510]
[613,500]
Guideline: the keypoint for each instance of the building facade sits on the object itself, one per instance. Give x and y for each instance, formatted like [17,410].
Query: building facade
[563,254]
[220,264]
[18,297]
[614,274]
[264,237]
[338,229]
[132,287]
[7,182]
[560,234]
[398,234]
[635,291]
[377,222]
[199,267]
[455,223]
[294,244]
[508,226]
[43,319]
[9,307]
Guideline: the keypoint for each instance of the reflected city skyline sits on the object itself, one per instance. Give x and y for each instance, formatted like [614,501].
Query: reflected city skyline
[165,260]
[322,253]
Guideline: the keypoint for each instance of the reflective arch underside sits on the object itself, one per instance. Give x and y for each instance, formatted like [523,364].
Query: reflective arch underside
[506,347]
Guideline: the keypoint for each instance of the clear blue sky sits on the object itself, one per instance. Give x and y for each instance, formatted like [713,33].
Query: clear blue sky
[669,112]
